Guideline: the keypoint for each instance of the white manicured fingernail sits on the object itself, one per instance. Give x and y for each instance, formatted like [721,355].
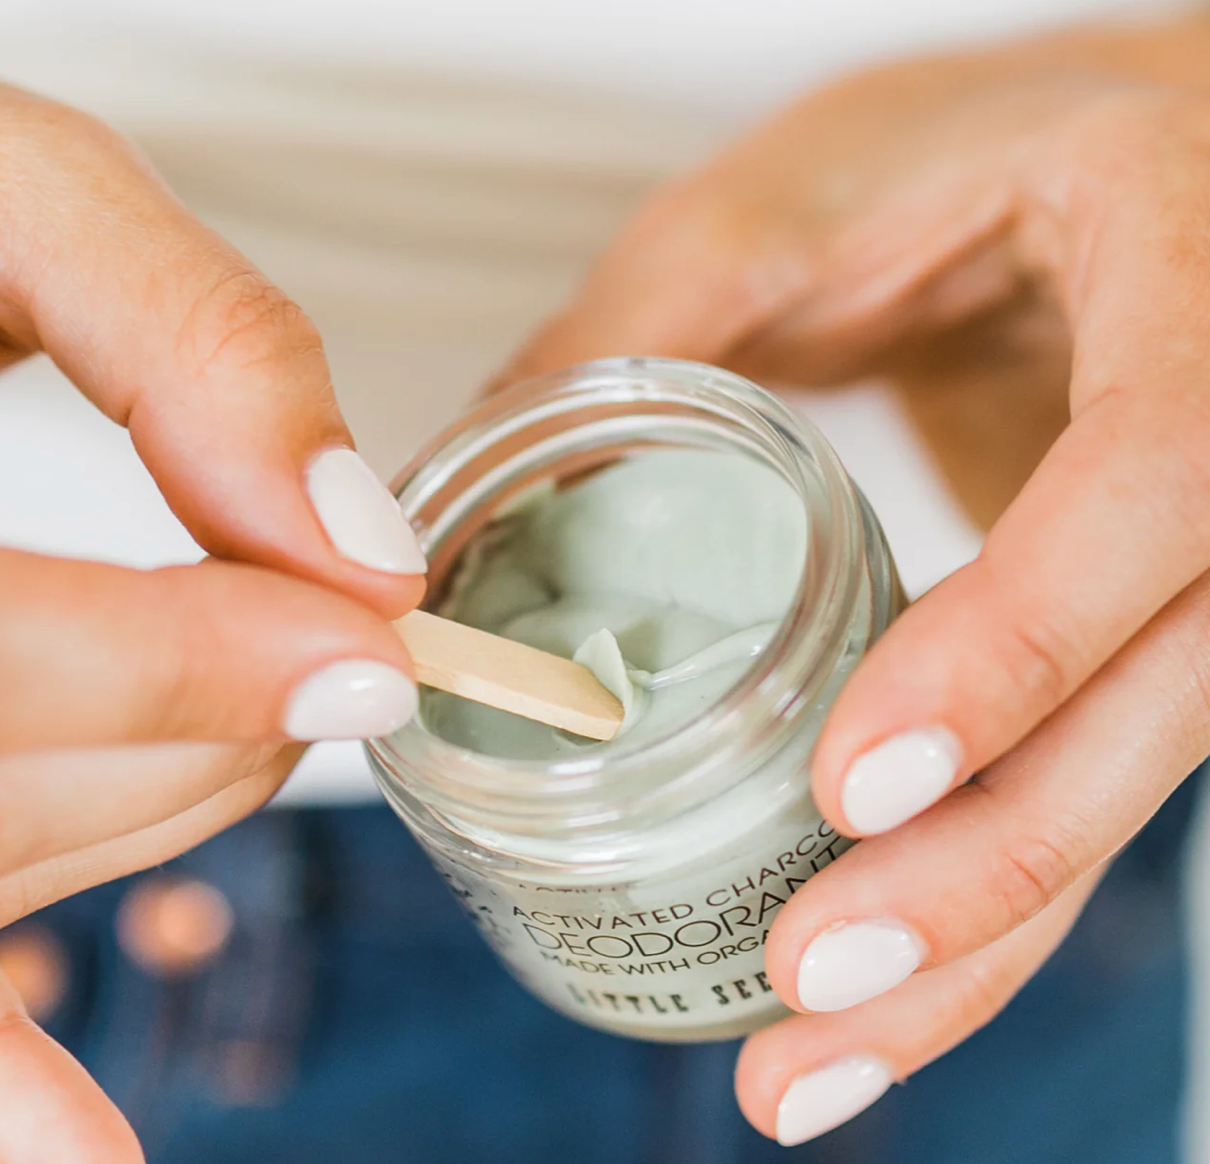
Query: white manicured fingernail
[825,1099]
[359,514]
[354,699]
[855,962]
[900,777]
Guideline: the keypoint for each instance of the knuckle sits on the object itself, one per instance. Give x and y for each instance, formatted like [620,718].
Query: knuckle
[1030,872]
[1038,658]
[241,320]
[179,687]
[985,989]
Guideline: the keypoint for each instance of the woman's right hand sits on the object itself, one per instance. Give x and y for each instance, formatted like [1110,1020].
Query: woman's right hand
[1017,725]
[144,711]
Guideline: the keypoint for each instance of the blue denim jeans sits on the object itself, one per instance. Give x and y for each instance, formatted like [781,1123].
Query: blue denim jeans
[355,1016]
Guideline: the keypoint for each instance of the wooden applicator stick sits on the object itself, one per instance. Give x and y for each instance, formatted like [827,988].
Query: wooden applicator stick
[511,676]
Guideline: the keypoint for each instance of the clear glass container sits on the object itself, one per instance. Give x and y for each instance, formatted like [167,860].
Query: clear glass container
[633,888]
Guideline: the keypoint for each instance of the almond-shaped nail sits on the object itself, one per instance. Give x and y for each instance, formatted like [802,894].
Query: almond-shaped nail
[855,962]
[355,699]
[359,515]
[829,1096]
[899,778]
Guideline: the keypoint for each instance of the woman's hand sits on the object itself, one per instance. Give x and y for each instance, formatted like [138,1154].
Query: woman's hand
[143,711]
[1021,722]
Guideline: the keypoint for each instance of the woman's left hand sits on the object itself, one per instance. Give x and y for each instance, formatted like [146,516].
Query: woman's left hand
[1022,721]
[143,711]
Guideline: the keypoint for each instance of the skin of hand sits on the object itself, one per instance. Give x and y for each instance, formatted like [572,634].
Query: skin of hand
[144,711]
[1016,239]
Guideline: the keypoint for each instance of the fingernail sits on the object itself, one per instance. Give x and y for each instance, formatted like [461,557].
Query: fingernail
[825,1099]
[855,962]
[359,514]
[900,777]
[355,699]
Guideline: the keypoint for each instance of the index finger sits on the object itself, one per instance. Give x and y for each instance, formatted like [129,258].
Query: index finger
[219,376]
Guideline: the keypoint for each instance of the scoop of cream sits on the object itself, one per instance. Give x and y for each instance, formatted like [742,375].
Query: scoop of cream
[602,655]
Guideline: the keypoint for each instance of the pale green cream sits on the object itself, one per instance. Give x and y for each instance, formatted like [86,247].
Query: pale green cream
[665,574]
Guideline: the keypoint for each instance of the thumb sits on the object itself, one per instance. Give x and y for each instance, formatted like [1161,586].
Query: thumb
[51,1112]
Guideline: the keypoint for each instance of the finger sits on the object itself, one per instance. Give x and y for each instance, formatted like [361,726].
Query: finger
[219,377]
[211,787]
[58,803]
[734,264]
[1113,523]
[51,1112]
[997,851]
[688,277]
[808,1074]
[219,651]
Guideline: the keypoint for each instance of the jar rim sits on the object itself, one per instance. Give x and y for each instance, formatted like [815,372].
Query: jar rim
[780,680]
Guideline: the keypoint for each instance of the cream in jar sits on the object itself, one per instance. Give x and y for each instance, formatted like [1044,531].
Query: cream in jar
[701,548]
[665,574]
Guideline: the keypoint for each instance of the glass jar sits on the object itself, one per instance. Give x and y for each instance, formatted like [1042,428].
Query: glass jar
[633,888]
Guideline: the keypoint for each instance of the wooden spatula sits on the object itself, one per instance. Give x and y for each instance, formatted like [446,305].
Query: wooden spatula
[511,676]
